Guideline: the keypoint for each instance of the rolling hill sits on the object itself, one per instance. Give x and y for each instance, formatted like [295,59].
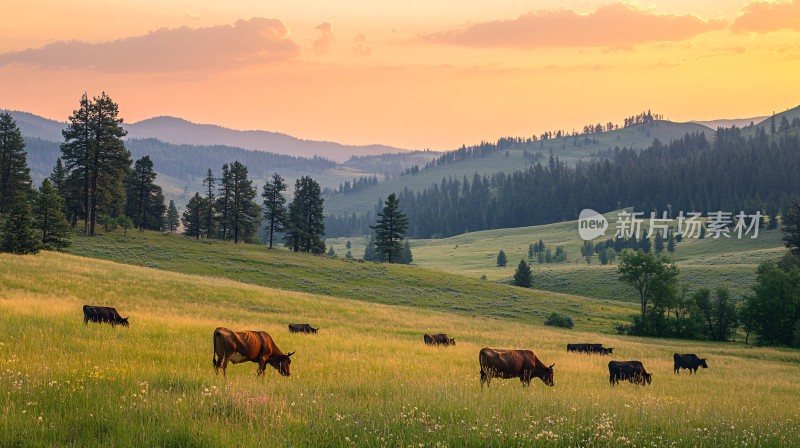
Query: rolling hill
[702,263]
[182,132]
[366,379]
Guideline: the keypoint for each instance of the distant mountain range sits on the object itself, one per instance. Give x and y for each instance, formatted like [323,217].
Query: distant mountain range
[726,123]
[181,132]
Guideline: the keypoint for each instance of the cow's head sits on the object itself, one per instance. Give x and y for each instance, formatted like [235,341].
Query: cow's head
[452,341]
[548,376]
[124,322]
[314,330]
[609,350]
[281,363]
[703,363]
[648,377]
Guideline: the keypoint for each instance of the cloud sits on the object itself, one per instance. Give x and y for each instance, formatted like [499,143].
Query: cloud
[362,47]
[326,38]
[617,25]
[192,15]
[763,17]
[246,42]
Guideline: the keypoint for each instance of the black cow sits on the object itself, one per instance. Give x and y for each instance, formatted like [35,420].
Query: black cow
[302,328]
[589,348]
[632,371]
[688,361]
[103,314]
[438,339]
[522,364]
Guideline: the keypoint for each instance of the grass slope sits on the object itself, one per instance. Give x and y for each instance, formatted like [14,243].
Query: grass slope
[371,282]
[365,380]
[707,262]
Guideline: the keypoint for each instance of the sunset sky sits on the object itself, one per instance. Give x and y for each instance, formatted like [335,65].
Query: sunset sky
[414,74]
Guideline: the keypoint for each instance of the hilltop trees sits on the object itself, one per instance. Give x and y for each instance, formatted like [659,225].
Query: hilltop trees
[275,208]
[173,218]
[306,227]
[17,233]
[96,157]
[50,219]
[791,227]
[390,231]
[193,218]
[210,211]
[241,214]
[15,177]
[145,200]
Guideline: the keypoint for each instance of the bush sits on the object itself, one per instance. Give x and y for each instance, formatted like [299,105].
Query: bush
[559,320]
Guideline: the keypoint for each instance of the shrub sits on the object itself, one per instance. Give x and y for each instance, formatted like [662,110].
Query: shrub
[559,320]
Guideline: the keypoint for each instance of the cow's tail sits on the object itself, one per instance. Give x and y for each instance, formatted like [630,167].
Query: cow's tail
[214,359]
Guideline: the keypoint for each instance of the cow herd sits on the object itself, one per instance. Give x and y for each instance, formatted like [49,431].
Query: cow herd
[258,347]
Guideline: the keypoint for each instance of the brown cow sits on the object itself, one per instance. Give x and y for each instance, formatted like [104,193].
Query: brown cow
[253,346]
[438,339]
[522,364]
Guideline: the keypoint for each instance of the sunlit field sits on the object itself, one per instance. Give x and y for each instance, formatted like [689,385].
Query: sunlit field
[366,379]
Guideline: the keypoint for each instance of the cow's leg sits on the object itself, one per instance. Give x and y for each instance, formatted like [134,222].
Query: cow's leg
[262,367]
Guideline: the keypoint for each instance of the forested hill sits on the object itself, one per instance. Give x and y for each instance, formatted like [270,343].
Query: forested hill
[184,161]
[732,173]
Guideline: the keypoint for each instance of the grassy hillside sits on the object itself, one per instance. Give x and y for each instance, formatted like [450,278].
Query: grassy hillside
[365,380]
[569,148]
[707,262]
[371,282]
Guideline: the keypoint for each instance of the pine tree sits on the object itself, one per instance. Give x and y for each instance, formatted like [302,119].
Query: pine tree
[18,233]
[671,243]
[390,230]
[50,219]
[306,226]
[659,243]
[369,251]
[15,177]
[173,218]
[59,178]
[523,276]
[223,201]
[274,207]
[210,212]
[646,245]
[94,151]
[331,252]
[245,214]
[145,204]
[406,257]
[193,217]
[502,260]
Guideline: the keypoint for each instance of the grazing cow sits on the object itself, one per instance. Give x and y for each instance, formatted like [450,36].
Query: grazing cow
[688,361]
[438,339]
[632,371]
[522,364]
[253,346]
[302,328]
[589,348]
[100,314]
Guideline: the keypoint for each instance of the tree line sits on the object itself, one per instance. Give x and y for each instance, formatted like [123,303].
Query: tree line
[667,308]
[690,174]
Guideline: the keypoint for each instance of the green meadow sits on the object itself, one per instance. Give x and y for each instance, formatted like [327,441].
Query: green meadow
[365,380]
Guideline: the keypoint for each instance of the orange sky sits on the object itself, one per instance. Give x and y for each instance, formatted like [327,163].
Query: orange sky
[415,74]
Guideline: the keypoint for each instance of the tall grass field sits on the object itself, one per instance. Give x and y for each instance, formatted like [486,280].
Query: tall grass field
[366,379]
